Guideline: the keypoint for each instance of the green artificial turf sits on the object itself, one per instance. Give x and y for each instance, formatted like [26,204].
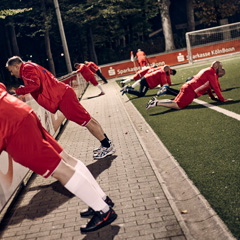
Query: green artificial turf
[206,143]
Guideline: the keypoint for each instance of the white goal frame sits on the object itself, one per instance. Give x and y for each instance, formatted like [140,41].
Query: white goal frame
[225,32]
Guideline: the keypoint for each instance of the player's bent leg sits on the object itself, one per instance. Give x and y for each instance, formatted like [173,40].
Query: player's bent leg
[168,104]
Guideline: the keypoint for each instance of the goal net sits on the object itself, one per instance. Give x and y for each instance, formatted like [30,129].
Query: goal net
[213,42]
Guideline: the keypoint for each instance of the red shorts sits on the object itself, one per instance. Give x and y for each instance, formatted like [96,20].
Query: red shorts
[142,62]
[185,96]
[72,109]
[33,147]
[93,81]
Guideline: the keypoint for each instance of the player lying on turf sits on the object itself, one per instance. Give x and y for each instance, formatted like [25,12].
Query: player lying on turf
[205,81]
[29,144]
[54,95]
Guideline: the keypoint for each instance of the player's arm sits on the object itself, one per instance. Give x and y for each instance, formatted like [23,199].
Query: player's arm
[32,81]
[211,95]
[169,81]
[2,86]
[164,78]
[216,87]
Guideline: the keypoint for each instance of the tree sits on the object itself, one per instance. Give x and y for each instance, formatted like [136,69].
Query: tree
[11,27]
[190,15]
[46,37]
[212,11]
[111,23]
[166,24]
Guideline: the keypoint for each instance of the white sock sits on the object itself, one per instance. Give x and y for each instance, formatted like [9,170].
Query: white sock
[100,87]
[136,83]
[80,167]
[127,80]
[79,185]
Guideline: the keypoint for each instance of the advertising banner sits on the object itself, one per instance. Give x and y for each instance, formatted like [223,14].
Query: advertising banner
[124,68]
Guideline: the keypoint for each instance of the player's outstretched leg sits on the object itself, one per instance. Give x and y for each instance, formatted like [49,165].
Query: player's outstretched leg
[80,185]
[152,103]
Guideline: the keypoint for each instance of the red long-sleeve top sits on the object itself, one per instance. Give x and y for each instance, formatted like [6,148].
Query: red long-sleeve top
[12,113]
[42,85]
[204,81]
[155,78]
[139,74]
[92,66]
[86,72]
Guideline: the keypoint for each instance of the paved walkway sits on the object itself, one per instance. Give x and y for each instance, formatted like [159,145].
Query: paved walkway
[153,197]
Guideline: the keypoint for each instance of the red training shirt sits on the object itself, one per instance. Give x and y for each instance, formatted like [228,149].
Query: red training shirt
[86,73]
[12,113]
[155,78]
[92,66]
[204,81]
[42,85]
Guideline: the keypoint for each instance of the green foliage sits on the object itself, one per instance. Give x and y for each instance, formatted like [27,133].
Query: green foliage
[211,11]
[12,12]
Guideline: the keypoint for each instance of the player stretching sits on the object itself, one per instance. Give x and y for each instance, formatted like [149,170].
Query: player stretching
[29,144]
[204,81]
[54,95]
[150,80]
[88,76]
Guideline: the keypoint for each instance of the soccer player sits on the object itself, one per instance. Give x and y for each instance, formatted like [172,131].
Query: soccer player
[54,95]
[141,58]
[96,70]
[88,76]
[30,145]
[204,81]
[139,74]
[150,80]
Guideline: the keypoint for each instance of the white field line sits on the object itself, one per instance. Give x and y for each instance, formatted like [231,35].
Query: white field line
[218,109]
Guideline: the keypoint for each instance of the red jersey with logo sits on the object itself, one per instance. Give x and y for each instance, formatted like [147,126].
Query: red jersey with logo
[42,85]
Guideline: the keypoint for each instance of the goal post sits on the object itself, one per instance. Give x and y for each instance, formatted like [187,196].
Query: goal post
[213,42]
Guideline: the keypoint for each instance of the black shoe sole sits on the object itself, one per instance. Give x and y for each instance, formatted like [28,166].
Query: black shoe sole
[103,224]
[87,214]
[91,213]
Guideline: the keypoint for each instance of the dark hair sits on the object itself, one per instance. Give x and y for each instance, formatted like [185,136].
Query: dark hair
[76,64]
[13,60]
[173,71]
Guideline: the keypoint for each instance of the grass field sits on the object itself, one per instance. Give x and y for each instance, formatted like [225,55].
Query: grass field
[206,143]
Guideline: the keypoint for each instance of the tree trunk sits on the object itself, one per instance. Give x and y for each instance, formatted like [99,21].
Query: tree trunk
[47,40]
[166,24]
[9,49]
[190,16]
[91,47]
[13,40]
